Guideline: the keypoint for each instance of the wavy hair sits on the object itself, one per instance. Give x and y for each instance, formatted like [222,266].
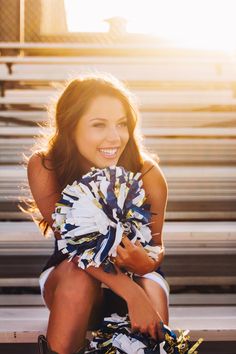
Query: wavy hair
[59,148]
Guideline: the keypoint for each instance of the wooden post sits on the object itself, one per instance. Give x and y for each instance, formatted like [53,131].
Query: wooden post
[22,25]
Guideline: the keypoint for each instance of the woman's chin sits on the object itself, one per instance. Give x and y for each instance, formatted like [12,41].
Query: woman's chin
[107,162]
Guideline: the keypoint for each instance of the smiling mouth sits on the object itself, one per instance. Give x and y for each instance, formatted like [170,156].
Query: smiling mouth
[109,153]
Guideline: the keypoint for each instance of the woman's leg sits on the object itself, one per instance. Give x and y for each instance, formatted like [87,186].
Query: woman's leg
[71,296]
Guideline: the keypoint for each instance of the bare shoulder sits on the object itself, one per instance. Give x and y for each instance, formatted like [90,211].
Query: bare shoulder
[43,185]
[36,161]
[40,173]
[153,177]
[37,164]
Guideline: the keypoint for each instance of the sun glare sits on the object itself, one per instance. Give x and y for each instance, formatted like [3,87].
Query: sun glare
[206,24]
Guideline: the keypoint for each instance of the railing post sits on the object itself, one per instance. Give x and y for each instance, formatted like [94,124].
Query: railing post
[22,25]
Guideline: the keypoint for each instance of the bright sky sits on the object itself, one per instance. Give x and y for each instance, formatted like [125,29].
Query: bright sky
[207,24]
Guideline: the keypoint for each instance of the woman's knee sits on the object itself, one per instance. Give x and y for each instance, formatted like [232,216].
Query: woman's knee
[72,284]
[158,297]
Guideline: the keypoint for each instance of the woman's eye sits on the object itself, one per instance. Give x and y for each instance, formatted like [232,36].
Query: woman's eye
[123,124]
[98,125]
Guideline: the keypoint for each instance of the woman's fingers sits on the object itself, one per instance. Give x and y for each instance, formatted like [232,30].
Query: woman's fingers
[138,243]
[127,243]
[134,327]
[122,255]
[120,251]
[153,331]
[118,261]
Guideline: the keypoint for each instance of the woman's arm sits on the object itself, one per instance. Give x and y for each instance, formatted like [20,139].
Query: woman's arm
[44,186]
[120,283]
[133,257]
[143,316]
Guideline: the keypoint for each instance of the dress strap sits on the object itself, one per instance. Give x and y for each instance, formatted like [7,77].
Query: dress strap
[149,169]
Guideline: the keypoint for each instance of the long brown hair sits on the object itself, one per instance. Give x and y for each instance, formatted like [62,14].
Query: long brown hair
[60,148]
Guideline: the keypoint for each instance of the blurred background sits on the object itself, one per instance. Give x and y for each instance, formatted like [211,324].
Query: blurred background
[179,59]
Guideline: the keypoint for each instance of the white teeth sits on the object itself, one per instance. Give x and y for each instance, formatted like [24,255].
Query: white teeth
[109,151]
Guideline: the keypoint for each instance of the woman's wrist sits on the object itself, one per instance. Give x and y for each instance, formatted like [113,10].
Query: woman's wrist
[155,265]
[156,262]
[151,266]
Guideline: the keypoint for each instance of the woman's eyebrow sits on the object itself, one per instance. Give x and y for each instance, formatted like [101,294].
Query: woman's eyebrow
[104,119]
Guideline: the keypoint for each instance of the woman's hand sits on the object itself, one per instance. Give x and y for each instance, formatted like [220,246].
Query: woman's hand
[143,316]
[133,257]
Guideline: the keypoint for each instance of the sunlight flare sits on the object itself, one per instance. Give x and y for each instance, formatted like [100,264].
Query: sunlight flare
[205,24]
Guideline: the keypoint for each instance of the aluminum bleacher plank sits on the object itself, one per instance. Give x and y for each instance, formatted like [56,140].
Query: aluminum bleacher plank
[24,324]
[117,60]
[180,238]
[128,68]
[8,131]
[149,119]
[147,99]
[186,299]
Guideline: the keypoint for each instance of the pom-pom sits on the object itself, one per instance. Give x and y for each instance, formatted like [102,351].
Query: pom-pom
[116,336]
[94,213]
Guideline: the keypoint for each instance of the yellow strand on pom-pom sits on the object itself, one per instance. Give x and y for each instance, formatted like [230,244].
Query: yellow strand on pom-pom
[192,350]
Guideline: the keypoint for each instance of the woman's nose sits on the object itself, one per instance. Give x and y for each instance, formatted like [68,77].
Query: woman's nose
[113,134]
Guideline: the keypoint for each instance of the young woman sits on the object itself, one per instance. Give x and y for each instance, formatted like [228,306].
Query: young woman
[95,122]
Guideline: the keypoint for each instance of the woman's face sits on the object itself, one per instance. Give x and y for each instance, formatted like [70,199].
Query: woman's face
[102,133]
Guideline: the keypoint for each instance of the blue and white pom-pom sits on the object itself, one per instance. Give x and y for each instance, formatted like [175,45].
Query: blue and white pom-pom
[94,213]
[115,336]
